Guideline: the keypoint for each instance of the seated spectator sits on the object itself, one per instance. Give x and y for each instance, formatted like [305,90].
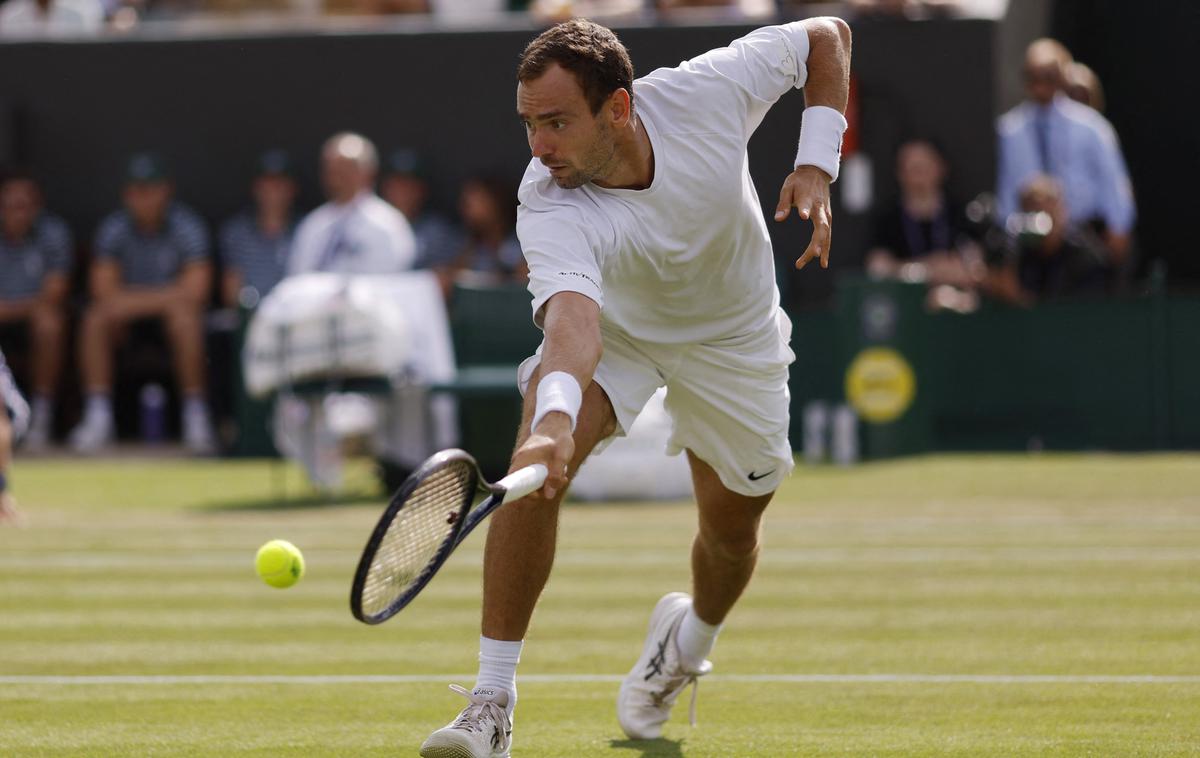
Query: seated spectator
[254,244]
[1051,134]
[923,237]
[356,232]
[914,9]
[406,186]
[488,207]
[36,256]
[151,262]
[13,419]
[51,17]
[1052,257]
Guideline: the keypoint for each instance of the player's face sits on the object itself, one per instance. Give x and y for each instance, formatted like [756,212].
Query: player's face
[575,144]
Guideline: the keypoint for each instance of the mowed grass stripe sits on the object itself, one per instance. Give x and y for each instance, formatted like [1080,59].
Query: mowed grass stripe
[301,679]
[1007,572]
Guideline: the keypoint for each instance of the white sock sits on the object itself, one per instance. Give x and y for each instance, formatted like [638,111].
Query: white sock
[41,415]
[195,405]
[98,405]
[43,409]
[695,640]
[498,666]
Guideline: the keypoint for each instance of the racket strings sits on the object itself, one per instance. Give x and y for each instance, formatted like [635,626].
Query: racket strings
[416,535]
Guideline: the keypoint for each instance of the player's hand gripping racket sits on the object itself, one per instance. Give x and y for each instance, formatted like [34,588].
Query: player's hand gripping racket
[427,518]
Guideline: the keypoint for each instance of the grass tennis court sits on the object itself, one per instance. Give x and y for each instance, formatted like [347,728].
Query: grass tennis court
[942,606]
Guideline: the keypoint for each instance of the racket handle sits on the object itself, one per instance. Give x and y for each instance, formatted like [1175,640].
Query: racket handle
[521,482]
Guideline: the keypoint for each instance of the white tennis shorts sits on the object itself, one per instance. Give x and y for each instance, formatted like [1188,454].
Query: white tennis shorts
[728,400]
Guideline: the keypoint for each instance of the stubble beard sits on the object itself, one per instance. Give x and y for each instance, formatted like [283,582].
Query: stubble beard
[596,161]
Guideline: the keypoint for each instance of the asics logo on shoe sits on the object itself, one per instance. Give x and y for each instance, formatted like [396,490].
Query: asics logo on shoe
[659,659]
[755,477]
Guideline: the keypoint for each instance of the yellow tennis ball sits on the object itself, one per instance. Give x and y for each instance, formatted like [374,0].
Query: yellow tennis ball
[279,563]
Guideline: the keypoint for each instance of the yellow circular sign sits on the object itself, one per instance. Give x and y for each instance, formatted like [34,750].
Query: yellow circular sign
[880,385]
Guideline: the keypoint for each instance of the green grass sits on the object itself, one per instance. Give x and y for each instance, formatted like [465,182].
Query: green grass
[984,565]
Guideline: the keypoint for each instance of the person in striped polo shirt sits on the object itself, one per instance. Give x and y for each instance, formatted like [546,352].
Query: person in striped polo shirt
[151,263]
[254,244]
[36,258]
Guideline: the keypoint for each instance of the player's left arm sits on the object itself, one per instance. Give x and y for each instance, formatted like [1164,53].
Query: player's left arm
[828,86]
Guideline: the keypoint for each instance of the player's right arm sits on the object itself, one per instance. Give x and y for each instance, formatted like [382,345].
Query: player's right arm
[571,322]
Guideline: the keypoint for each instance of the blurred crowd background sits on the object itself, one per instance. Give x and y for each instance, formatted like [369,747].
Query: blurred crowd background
[1059,216]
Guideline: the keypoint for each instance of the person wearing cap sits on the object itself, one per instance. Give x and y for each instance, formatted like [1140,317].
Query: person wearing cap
[356,232]
[254,244]
[36,258]
[151,263]
[406,186]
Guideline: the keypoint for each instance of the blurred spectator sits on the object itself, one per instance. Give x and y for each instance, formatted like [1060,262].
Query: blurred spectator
[1051,256]
[903,8]
[406,186]
[355,232]
[488,207]
[554,11]
[254,244]
[924,236]
[14,415]
[1083,86]
[1051,134]
[36,258]
[384,7]
[151,264]
[50,17]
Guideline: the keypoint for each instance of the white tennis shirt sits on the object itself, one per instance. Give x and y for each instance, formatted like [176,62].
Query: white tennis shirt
[687,259]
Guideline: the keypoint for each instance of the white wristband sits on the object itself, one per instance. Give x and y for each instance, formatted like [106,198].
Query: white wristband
[821,130]
[557,391]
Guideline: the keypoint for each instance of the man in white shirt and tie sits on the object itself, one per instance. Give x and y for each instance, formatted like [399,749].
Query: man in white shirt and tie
[356,232]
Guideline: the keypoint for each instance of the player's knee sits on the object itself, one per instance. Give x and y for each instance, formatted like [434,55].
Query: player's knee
[731,546]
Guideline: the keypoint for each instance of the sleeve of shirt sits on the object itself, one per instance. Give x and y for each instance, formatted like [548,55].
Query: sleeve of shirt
[406,243]
[1116,191]
[1006,179]
[59,246]
[765,63]
[109,237]
[562,253]
[191,235]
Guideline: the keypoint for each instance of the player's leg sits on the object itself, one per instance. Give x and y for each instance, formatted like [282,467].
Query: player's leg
[520,551]
[518,556]
[184,325]
[521,536]
[729,403]
[724,551]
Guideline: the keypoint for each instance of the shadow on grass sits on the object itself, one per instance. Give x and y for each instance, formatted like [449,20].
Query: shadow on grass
[659,748]
[305,500]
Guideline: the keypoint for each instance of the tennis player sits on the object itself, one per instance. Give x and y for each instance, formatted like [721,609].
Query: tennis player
[650,265]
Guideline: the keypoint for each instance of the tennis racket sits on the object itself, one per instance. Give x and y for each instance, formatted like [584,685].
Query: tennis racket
[427,518]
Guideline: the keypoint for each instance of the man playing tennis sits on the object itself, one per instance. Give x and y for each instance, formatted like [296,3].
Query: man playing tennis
[650,265]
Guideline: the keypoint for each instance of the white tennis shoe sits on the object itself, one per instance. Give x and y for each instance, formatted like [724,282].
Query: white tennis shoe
[651,688]
[482,730]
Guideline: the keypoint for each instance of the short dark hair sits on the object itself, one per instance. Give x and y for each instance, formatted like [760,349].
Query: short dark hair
[588,50]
